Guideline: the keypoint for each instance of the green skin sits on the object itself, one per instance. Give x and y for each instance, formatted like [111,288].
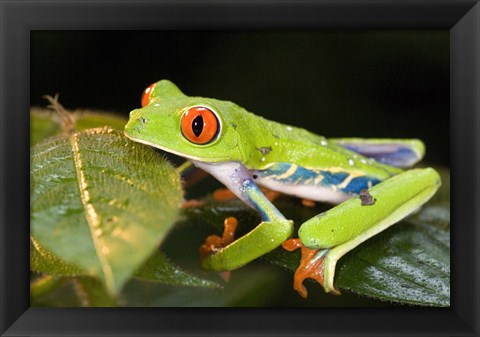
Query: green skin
[249,150]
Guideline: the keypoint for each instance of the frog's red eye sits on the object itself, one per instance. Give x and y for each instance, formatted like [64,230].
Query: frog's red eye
[146,94]
[200,125]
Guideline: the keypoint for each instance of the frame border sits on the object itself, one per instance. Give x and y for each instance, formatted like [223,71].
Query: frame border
[18,17]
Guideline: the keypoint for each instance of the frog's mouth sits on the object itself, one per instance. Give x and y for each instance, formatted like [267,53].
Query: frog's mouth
[180,154]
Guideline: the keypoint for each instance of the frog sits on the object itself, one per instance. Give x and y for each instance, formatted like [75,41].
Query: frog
[370,183]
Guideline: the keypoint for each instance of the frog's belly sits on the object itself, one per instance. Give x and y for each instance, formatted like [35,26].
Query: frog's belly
[332,186]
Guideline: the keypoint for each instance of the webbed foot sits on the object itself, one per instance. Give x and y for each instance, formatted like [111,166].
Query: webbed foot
[312,265]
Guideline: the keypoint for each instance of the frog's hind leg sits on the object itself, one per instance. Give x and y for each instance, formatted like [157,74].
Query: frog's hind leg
[342,228]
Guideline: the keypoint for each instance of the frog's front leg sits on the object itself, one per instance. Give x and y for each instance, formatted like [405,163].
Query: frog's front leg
[342,228]
[268,235]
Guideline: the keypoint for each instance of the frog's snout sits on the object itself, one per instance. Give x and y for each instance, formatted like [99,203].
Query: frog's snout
[136,123]
[135,114]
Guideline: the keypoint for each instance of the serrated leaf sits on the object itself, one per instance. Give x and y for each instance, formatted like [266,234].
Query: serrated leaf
[408,263]
[101,202]
[67,291]
[43,261]
[91,292]
[159,269]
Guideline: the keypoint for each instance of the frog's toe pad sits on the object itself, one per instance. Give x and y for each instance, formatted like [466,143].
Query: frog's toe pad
[311,266]
[214,243]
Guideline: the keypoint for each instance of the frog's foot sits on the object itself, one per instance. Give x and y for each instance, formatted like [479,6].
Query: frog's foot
[222,194]
[270,194]
[308,203]
[192,203]
[312,265]
[214,243]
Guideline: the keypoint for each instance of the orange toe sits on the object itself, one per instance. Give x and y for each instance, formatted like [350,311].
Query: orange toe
[311,265]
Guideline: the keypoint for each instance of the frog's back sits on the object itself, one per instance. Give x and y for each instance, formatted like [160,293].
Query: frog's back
[295,161]
[268,142]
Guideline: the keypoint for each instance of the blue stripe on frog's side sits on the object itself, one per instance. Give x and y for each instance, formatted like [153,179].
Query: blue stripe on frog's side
[359,183]
[291,174]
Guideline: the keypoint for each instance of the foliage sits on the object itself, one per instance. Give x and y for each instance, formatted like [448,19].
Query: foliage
[101,206]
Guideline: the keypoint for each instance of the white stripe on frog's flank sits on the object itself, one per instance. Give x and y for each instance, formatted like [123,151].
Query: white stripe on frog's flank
[311,192]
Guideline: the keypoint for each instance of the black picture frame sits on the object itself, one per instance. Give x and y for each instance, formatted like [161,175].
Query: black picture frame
[19,17]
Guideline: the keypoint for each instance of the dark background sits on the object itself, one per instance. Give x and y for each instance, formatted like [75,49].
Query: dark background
[335,83]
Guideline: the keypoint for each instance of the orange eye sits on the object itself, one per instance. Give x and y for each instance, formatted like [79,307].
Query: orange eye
[200,125]
[146,94]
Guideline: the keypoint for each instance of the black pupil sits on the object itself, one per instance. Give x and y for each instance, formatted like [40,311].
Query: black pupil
[197,125]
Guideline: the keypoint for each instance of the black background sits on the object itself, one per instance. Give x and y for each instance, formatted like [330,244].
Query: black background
[337,83]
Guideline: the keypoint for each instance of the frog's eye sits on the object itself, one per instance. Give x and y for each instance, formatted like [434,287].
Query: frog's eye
[146,94]
[200,125]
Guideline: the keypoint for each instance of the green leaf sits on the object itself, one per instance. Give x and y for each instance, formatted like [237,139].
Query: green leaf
[159,269]
[248,287]
[42,126]
[91,293]
[43,261]
[408,263]
[101,203]
[45,123]
[69,292]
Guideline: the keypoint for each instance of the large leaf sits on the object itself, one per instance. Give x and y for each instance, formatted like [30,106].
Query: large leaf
[409,263]
[101,202]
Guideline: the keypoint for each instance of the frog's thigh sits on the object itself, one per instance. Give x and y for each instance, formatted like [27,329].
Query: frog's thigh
[345,226]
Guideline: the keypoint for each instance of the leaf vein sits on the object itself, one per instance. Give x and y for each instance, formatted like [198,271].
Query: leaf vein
[90,211]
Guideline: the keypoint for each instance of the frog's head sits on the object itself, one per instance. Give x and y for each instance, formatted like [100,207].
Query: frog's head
[197,128]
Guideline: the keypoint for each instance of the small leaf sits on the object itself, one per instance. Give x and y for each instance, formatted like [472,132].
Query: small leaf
[159,269]
[42,126]
[101,202]
[69,292]
[45,123]
[91,292]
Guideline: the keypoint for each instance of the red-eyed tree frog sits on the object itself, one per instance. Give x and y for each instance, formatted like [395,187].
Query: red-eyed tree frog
[365,178]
